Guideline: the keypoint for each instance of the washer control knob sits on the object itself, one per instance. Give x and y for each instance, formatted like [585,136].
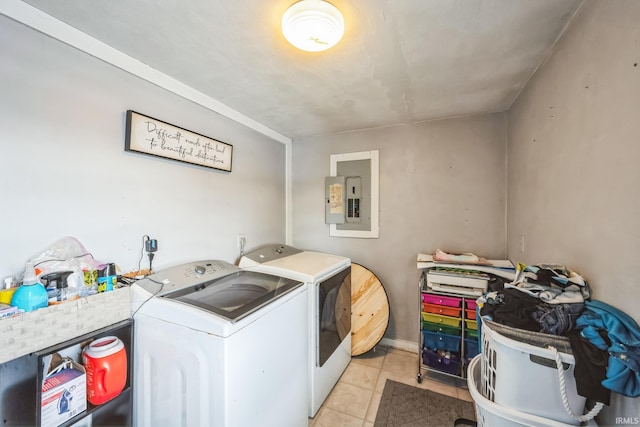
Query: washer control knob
[200,269]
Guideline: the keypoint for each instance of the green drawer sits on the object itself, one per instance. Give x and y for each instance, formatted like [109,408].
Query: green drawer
[438,327]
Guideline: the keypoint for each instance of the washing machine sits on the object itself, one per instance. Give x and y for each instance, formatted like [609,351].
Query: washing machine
[217,346]
[328,278]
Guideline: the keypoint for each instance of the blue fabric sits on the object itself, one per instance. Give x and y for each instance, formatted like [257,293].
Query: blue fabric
[623,371]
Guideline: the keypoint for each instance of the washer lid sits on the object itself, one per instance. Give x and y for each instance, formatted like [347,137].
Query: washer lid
[236,295]
[307,266]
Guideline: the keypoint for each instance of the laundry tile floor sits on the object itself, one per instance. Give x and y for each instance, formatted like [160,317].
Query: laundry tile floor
[354,400]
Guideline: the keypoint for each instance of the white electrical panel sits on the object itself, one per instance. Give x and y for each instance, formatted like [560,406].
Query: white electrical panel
[353,186]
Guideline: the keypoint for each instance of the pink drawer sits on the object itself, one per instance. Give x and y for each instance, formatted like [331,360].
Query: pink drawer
[471,304]
[441,300]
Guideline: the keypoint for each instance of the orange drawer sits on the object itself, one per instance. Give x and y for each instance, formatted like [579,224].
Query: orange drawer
[442,309]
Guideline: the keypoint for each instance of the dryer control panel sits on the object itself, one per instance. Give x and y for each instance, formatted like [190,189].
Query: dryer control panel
[268,253]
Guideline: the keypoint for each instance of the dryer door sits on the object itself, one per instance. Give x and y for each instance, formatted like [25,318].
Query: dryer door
[334,314]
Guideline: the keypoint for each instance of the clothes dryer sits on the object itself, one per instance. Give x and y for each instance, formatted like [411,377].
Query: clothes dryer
[328,278]
[216,346]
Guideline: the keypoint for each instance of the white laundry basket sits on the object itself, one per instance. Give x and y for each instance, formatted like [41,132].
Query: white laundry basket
[491,414]
[525,378]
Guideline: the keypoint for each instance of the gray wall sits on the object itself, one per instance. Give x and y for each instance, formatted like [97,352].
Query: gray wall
[574,153]
[65,172]
[442,185]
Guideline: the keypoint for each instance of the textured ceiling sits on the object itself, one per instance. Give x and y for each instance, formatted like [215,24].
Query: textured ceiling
[400,61]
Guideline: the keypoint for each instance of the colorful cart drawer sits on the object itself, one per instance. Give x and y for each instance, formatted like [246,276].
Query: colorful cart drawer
[470,314]
[439,327]
[471,348]
[450,364]
[471,304]
[471,324]
[471,333]
[443,309]
[435,340]
[441,300]
[445,320]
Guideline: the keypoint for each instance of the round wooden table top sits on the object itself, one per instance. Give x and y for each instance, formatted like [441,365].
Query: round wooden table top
[369,310]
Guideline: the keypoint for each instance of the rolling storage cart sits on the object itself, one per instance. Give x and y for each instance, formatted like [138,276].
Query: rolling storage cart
[448,332]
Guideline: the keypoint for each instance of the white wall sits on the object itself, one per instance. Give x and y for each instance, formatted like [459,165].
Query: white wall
[442,185]
[65,171]
[574,152]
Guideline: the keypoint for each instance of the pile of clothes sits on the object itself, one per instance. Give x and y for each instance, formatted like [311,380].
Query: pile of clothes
[555,300]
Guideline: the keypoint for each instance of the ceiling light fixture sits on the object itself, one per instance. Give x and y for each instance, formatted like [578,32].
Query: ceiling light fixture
[313,25]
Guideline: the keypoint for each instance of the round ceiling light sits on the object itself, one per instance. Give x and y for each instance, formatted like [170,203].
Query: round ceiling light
[313,25]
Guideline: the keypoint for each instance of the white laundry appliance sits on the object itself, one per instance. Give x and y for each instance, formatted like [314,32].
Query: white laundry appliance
[328,278]
[216,346]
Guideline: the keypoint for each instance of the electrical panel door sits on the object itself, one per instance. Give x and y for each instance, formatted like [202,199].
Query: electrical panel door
[334,192]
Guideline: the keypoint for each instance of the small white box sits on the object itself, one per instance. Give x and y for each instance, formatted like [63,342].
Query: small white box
[64,395]
[460,284]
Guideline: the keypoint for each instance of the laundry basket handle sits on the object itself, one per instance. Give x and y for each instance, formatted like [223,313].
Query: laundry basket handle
[563,392]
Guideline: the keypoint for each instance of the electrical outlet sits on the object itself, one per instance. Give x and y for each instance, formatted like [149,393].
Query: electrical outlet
[241,240]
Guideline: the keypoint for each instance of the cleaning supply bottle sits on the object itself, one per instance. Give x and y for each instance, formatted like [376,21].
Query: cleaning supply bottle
[31,295]
[57,284]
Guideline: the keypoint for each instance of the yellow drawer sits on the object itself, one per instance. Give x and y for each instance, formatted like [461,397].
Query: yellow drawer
[471,324]
[445,320]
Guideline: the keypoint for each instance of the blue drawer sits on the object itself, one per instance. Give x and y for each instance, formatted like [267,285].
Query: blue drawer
[471,348]
[433,340]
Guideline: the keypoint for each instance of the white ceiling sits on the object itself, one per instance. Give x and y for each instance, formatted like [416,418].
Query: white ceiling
[400,61]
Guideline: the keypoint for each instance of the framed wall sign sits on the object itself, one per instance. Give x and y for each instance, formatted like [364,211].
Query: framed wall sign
[151,136]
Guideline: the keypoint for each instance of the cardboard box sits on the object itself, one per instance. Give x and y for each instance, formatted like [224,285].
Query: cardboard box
[8,311]
[64,395]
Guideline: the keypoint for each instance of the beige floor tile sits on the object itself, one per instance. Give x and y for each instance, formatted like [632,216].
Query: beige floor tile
[404,352]
[349,399]
[384,375]
[401,362]
[361,375]
[373,357]
[373,407]
[331,418]
[464,394]
[438,387]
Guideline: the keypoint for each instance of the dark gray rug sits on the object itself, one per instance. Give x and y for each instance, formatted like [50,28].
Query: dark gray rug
[403,405]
